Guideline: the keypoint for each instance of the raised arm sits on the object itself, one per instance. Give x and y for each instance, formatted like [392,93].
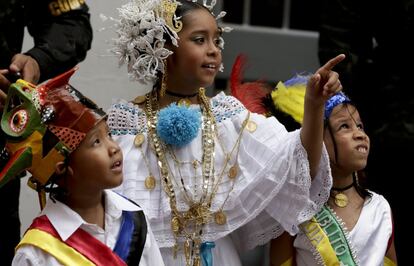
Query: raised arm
[321,86]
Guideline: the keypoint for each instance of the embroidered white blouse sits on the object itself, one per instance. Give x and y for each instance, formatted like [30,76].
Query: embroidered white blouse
[273,191]
[369,237]
[66,222]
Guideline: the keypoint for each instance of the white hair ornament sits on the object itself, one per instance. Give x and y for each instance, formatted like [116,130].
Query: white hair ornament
[141,28]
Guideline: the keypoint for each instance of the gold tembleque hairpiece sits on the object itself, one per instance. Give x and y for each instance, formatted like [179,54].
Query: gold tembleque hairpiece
[168,9]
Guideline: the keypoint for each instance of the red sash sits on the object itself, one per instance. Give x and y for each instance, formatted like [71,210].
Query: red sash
[90,247]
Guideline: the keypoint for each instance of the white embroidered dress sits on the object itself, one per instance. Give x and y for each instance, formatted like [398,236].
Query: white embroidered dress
[369,237]
[272,192]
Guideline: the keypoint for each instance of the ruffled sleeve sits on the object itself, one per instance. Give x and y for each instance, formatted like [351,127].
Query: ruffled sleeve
[274,191]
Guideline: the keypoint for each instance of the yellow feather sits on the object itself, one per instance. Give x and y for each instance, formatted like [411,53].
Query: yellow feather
[290,100]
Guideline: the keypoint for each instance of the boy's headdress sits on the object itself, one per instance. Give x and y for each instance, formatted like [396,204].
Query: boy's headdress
[142,29]
[42,125]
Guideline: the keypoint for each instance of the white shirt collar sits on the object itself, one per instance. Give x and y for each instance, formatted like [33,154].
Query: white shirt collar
[66,221]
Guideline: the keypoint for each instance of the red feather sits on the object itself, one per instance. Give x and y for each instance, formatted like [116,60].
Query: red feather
[250,94]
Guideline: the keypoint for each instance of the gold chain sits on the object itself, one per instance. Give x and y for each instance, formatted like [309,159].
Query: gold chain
[189,224]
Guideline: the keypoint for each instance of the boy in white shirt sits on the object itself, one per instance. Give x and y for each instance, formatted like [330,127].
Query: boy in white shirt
[62,139]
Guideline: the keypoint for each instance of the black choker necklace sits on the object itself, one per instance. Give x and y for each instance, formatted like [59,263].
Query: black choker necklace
[180,95]
[343,188]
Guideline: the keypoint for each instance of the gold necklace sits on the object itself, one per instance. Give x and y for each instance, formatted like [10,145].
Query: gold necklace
[219,217]
[341,199]
[198,214]
[150,181]
[189,224]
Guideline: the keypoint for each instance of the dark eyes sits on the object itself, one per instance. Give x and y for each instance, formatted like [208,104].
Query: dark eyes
[343,126]
[346,126]
[98,140]
[201,40]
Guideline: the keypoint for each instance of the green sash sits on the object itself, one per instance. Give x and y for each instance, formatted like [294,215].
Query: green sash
[329,239]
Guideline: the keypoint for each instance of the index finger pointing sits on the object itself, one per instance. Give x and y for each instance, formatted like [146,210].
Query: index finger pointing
[333,62]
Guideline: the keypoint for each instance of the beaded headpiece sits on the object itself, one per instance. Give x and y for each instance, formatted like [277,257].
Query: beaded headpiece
[142,28]
[331,103]
[42,125]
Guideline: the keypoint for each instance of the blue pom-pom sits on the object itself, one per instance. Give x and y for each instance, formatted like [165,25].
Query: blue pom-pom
[178,125]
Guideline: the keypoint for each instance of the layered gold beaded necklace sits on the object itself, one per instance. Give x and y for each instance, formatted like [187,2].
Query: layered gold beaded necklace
[189,224]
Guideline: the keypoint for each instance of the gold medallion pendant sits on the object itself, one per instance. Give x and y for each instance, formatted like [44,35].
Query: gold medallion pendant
[184,102]
[220,218]
[139,99]
[150,182]
[341,200]
[233,172]
[251,126]
[175,224]
[139,139]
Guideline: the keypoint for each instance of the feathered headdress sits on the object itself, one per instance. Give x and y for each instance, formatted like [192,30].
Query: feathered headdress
[251,94]
[289,97]
[259,97]
[286,99]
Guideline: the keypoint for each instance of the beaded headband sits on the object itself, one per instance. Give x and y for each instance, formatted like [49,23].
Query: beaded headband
[335,100]
[141,29]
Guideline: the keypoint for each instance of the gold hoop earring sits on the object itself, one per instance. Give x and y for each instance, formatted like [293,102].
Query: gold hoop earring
[164,80]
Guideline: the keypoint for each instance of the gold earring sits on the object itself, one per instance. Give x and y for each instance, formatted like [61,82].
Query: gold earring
[356,178]
[164,81]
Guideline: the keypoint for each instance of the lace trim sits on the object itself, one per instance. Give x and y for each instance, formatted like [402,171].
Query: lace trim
[125,118]
[320,196]
[318,199]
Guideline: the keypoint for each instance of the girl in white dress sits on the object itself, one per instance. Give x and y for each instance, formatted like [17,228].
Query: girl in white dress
[212,177]
[355,226]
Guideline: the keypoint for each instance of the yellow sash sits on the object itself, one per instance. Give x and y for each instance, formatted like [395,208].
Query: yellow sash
[59,250]
[389,262]
[320,241]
